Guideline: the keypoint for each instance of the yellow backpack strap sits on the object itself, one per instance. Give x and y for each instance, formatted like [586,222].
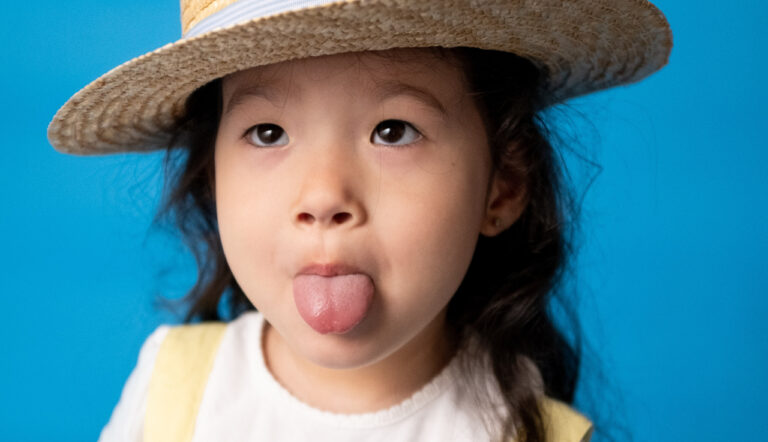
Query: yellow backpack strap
[563,423]
[181,370]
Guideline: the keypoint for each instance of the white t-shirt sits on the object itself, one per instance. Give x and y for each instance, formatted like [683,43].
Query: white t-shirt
[242,401]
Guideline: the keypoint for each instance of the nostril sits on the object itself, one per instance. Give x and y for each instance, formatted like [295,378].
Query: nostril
[308,218]
[342,217]
[305,217]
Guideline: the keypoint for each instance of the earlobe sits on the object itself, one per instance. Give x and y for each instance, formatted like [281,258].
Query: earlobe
[506,202]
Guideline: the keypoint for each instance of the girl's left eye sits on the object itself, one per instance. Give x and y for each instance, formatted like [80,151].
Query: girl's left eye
[395,132]
[267,135]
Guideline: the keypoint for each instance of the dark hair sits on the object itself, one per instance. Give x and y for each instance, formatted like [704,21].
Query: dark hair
[503,301]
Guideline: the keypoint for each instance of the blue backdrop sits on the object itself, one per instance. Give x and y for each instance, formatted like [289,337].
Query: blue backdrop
[672,270]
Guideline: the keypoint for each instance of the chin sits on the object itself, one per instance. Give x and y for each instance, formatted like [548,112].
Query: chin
[346,351]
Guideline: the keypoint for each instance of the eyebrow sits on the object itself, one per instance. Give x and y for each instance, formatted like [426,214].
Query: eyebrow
[241,94]
[385,89]
[392,88]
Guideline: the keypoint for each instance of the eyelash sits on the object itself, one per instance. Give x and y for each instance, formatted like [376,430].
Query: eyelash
[383,124]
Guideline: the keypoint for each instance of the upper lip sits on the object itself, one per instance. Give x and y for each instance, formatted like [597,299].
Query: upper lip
[329,269]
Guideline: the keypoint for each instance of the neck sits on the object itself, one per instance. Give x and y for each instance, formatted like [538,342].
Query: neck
[370,388]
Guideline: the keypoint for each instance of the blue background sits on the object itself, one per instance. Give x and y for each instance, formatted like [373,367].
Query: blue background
[672,272]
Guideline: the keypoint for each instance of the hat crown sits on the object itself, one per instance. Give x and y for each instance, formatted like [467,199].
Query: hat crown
[192,11]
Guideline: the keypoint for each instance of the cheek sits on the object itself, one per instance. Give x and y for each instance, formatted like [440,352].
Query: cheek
[246,221]
[432,226]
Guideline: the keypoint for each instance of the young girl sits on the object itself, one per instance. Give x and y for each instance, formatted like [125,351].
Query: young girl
[375,207]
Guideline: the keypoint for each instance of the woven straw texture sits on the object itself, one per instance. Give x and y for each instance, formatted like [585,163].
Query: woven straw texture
[584,46]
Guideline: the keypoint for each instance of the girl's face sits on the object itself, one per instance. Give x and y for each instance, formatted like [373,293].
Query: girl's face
[379,163]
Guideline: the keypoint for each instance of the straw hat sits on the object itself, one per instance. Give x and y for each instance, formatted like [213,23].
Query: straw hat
[584,45]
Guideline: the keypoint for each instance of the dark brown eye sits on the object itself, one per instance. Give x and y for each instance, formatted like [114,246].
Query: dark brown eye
[267,135]
[394,132]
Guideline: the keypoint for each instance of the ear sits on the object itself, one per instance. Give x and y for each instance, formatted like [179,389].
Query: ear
[505,203]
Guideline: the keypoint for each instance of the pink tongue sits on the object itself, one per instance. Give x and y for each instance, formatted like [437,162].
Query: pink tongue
[332,304]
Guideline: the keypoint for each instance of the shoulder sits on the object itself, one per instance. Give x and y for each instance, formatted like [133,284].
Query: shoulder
[127,420]
[191,339]
[563,423]
[200,342]
[174,359]
[178,380]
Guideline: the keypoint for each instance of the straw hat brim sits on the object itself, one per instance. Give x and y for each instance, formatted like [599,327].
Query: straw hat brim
[584,46]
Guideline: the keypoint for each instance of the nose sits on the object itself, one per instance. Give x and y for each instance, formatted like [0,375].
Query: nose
[329,196]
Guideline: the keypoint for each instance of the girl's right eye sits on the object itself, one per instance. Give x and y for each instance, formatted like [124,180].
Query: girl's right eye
[266,135]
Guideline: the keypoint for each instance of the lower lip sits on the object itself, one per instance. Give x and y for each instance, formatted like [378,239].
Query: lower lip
[333,304]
